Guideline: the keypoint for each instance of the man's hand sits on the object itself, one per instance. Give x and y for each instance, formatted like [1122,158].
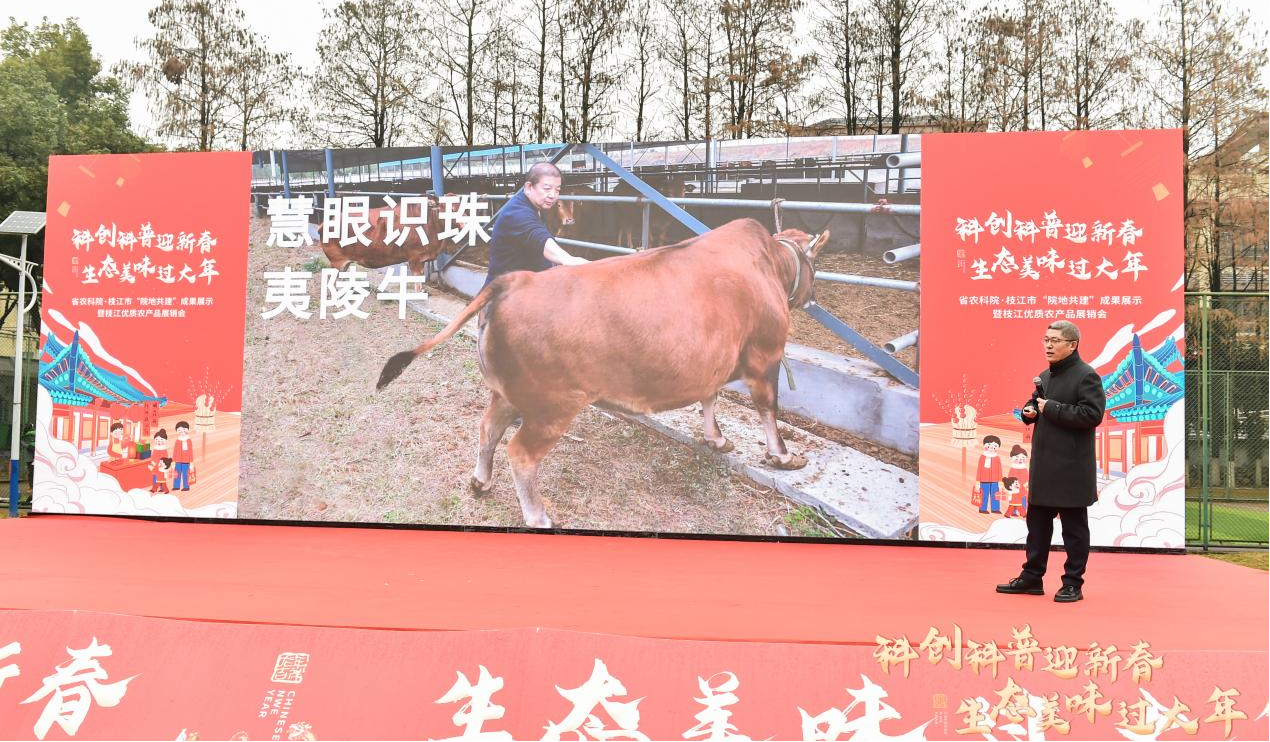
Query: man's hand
[1029,413]
[1041,404]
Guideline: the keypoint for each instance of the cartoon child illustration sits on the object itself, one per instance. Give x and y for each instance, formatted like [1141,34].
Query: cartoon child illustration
[159,480]
[158,451]
[1019,470]
[119,447]
[988,475]
[183,456]
[1011,495]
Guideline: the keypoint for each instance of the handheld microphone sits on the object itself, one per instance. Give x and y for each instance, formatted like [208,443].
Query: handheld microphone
[1040,390]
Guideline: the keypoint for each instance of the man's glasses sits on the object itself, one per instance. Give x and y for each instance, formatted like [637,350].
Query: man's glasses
[1055,341]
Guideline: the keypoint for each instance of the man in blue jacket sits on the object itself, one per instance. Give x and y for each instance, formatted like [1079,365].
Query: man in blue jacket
[519,239]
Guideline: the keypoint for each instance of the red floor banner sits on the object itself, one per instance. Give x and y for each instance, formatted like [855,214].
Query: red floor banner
[103,676]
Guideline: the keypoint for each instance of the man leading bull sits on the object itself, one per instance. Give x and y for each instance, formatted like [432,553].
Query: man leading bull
[519,238]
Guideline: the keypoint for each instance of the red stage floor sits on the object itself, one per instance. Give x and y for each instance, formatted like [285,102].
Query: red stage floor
[678,589]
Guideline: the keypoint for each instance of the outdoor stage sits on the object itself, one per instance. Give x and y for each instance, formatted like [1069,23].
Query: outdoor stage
[381,621]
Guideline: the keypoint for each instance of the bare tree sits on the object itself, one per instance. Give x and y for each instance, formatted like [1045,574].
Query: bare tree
[958,100]
[539,24]
[786,77]
[188,67]
[845,36]
[460,31]
[757,33]
[370,72]
[597,23]
[503,83]
[1094,50]
[906,26]
[679,49]
[644,33]
[711,69]
[258,88]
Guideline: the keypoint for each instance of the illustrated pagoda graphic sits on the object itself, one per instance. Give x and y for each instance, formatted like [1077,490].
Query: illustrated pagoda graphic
[1139,394]
[88,399]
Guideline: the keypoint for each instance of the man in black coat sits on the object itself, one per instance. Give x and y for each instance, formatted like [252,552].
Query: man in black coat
[1066,407]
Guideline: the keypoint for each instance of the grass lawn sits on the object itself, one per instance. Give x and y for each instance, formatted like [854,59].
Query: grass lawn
[1244,521]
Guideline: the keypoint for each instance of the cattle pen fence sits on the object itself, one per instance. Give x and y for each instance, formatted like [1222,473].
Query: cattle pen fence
[902,163]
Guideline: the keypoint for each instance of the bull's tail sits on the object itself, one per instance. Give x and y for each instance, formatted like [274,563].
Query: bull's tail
[398,363]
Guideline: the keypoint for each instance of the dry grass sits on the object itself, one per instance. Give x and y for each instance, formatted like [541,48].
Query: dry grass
[1252,559]
[880,315]
[320,444]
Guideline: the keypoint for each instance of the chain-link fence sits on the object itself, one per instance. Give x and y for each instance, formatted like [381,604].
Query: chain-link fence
[1226,419]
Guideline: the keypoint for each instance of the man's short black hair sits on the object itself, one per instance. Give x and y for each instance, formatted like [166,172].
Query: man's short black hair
[542,170]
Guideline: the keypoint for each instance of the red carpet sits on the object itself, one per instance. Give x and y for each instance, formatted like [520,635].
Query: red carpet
[399,579]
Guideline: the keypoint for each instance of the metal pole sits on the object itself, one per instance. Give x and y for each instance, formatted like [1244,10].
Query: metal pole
[1205,515]
[16,422]
[902,253]
[900,343]
[330,174]
[438,171]
[286,177]
[903,171]
[643,238]
[1228,455]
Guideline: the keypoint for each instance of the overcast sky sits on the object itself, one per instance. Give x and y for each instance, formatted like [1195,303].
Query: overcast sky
[293,26]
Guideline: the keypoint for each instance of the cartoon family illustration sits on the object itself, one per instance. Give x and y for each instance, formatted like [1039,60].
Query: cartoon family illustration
[998,494]
[171,466]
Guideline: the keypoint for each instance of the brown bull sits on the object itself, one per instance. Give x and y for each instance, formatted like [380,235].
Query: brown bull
[566,218]
[640,333]
[380,253]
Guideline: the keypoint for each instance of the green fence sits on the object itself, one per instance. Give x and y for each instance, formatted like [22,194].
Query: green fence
[1226,419]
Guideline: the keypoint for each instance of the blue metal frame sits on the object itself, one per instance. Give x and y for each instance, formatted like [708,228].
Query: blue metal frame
[888,362]
[647,191]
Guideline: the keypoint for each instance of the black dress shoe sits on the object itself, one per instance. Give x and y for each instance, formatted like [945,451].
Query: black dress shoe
[1068,594]
[1021,586]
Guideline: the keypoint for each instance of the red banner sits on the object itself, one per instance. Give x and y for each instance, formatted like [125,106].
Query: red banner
[100,676]
[1020,230]
[142,358]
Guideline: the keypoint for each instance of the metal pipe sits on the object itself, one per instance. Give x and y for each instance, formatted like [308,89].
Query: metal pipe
[901,342]
[594,246]
[738,203]
[902,253]
[904,159]
[882,283]
[330,175]
[19,340]
[1205,505]
[643,231]
[746,203]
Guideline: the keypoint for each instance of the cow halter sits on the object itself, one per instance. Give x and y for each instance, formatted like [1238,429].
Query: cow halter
[799,258]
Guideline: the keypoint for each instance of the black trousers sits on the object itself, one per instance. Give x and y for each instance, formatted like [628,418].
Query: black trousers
[1040,529]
